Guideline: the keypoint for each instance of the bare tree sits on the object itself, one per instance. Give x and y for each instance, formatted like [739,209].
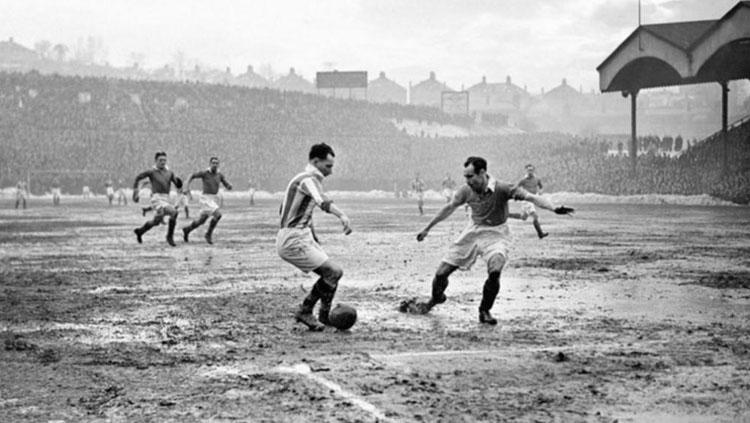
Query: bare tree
[179,63]
[266,71]
[60,51]
[43,48]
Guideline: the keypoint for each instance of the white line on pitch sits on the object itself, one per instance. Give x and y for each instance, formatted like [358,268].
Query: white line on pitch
[304,370]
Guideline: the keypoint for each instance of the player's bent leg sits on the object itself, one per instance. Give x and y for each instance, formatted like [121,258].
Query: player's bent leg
[193,225]
[491,288]
[212,225]
[538,227]
[440,283]
[172,213]
[330,274]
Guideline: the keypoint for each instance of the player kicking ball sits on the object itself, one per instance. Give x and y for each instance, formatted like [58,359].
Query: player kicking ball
[487,235]
[209,201]
[295,243]
[161,180]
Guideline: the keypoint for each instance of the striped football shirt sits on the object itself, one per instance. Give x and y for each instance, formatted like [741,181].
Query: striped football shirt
[303,193]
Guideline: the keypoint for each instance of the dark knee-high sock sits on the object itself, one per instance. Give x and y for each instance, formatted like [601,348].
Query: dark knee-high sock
[318,290]
[439,285]
[148,225]
[538,227]
[197,222]
[489,292]
[171,225]
[212,224]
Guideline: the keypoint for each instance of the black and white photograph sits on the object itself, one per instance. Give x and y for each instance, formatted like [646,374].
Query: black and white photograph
[375,211]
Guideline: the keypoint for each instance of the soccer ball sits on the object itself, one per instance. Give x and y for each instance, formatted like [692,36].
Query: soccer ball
[342,316]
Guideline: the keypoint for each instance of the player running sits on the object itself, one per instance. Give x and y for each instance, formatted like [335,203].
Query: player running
[418,186]
[487,235]
[161,179]
[122,199]
[56,192]
[533,185]
[22,193]
[110,190]
[449,187]
[209,201]
[295,243]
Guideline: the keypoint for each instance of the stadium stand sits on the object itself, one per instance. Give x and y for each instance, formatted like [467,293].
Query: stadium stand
[91,123]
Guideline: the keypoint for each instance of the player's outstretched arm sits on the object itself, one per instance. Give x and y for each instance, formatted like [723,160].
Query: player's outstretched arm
[544,203]
[443,214]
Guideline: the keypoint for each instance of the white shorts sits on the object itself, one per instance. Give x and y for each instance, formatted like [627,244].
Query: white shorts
[297,247]
[182,201]
[448,193]
[55,192]
[527,209]
[478,240]
[86,190]
[110,191]
[209,203]
[21,195]
[159,202]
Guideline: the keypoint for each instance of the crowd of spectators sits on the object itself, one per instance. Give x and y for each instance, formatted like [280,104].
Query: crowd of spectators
[110,128]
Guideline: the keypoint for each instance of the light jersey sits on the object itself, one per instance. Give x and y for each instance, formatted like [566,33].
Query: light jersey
[211,181]
[491,207]
[531,184]
[160,180]
[303,193]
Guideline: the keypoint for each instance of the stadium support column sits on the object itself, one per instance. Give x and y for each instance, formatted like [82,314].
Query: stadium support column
[633,133]
[724,122]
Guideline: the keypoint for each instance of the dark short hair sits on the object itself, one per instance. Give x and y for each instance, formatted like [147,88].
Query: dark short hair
[320,151]
[529,166]
[159,154]
[477,162]
[212,159]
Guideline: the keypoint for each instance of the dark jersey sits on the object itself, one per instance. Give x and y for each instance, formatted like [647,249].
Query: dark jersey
[211,181]
[160,180]
[489,208]
[531,184]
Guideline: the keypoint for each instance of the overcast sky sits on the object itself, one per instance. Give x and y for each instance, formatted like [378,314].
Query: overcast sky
[536,42]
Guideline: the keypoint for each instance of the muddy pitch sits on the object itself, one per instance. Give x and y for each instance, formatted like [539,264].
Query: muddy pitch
[637,313]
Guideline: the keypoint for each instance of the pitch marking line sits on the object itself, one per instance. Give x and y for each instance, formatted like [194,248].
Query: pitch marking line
[304,370]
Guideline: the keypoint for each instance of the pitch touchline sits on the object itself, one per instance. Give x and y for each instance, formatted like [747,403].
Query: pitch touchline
[304,370]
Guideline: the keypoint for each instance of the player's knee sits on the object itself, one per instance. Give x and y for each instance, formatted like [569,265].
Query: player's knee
[444,270]
[217,215]
[495,264]
[332,274]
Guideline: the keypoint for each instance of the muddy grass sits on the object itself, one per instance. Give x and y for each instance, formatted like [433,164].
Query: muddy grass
[621,314]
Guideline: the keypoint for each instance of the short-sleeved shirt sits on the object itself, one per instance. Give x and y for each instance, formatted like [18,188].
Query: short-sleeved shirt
[303,193]
[531,184]
[160,180]
[489,208]
[211,181]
